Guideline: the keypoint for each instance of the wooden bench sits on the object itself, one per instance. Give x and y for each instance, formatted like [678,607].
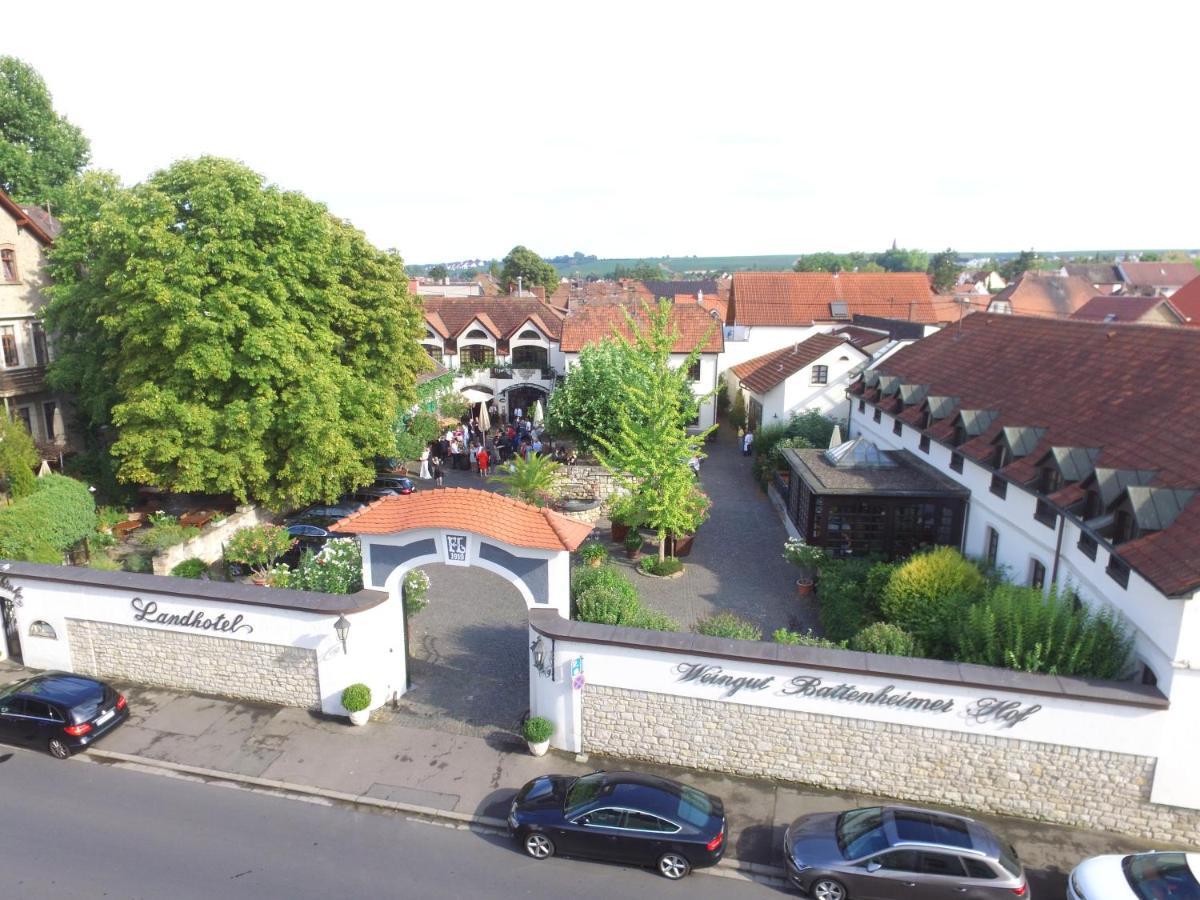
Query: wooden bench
[123,528]
[197,519]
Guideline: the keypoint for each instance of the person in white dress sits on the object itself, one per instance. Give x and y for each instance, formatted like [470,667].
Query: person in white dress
[425,473]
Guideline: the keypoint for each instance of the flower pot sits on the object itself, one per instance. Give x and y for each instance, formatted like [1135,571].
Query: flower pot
[804,587]
[595,563]
[361,717]
[261,580]
[681,545]
[633,552]
[619,532]
[538,749]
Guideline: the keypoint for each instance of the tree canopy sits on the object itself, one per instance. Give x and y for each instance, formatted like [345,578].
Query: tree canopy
[40,151]
[235,338]
[438,272]
[944,270]
[895,259]
[530,268]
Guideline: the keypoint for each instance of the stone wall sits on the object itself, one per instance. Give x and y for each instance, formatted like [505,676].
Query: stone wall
[589,483]
[1067,785]
[244,670]
[209,545]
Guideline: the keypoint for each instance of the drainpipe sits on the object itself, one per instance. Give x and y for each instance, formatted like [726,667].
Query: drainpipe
[1062,524]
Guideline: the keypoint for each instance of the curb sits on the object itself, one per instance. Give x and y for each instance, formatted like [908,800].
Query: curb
[755,871]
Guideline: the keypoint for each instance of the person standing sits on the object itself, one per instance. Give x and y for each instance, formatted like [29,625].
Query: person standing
[438,473]
[425,473]
[516,416]
[484,460]
[747,442]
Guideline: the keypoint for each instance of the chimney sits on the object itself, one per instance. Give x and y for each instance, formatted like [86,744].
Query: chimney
[540,293]
[700,296]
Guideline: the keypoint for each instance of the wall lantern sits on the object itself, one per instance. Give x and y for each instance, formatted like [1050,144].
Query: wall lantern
[342,627]
[540,662]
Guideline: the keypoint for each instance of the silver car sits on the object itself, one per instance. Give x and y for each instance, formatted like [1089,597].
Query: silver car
[900,853]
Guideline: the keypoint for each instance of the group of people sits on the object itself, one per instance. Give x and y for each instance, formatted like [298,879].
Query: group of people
[468,447]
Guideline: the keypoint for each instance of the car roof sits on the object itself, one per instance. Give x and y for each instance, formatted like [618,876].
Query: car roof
[61,687]
[648,792]
[910,826]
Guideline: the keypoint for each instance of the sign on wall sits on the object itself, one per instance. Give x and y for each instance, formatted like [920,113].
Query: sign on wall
[147,611]
[457,550]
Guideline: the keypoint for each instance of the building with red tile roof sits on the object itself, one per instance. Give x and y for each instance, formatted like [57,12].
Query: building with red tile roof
[1153,310]
[805,298]
[1186,302]
[1155,277]
[1043,294]
[811,374]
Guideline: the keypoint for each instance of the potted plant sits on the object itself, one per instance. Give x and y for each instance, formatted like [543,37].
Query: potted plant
[594,554]
[623,515]
[633,543]
[258,547]
[694,512]
[537,733]
[808,559]
[357,701]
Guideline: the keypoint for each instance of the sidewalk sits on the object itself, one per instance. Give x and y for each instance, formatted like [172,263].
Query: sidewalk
[468,778]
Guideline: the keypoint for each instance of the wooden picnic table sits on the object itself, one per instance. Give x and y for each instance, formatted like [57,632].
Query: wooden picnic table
[198,518]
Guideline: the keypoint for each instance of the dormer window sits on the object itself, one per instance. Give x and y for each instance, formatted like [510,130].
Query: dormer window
[1123,527]
[529,335]
[839,310]
[477,334]
[1050,480]
[1091,505]
[960,435]
[1001,455]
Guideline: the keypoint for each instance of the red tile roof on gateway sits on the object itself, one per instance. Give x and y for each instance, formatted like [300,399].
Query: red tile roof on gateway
[592,323]
[492,515]
[504,315]
[1121,389]
[763,373]
[801,298]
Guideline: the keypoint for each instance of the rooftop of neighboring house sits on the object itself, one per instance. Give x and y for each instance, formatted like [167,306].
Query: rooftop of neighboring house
[861,337]
[1186,301]
[659,289]
[570,294]
[36,220]
[1045,294]
[803,298]
[1096,273]
[1118,308]
[590,323]
[1157,274]
[502,316]
[1105,405]
[764,373]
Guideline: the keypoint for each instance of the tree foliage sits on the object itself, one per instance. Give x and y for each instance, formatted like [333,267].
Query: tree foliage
[18,458]
[240,338]
[895,259]
[532,479]
[944,270]
[438,272]
[40,151]
[1024,261]
[42,526]
[530,268]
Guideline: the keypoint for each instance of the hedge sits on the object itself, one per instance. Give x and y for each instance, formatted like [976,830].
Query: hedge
[56,516]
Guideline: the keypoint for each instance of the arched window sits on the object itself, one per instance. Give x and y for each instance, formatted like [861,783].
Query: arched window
[529,335]
[477,334]
[43,630]
[434,351]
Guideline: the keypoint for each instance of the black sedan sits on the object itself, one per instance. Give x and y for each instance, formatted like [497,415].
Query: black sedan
[396,483]
[59,711]
[623,817]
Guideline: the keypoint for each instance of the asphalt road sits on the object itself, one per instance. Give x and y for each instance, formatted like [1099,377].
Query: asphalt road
[87,830]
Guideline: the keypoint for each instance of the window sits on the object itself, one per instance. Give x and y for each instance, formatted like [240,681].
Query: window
[1087,545]
[694,371]
[1091,507]
[993,545]
[956,462]
[1051,480]
[820,374]
[999,487]
[1117,570]
[477,334]
[899,860]
[1037,574]
[43,630]
[862,405]
[8,338]
[1123,529]
[41,354]
[960,435]
[640,821]
[878,414]
[528,357]
[604,818]
[24,418]
[941,864]
[478,355]
[977,868]
[48,411]
[924,445]
[839,310]
[529,335]
[8,264]
[434,352]
[1001,456]
[1046,514]
[897,427]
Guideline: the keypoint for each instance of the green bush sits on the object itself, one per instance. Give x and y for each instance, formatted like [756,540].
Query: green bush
[104,563]
[190,568]
[812,427]
[59,513]
[634,540]
[650,620]
[592,551]
[609,604]
[1018,628]
[928,596]
[536,729]
[728,625]
[18,458]
[587,578]
[166,533]
[849,593]
[258,546]
[138,562]
[737,411]
[337,569]
[884,637]
[654,566]
[804,639]
[356,698]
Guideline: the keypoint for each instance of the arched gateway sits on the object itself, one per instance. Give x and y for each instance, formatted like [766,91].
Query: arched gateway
[527,545]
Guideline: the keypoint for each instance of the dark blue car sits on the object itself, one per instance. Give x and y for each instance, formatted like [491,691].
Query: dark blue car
[59,711]
[622,817]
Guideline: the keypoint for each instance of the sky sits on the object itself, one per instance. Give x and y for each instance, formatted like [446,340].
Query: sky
[456,130]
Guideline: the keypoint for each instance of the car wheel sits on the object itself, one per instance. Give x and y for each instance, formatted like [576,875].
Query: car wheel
[538,845]
[673,866]
[58,749]
[827,889]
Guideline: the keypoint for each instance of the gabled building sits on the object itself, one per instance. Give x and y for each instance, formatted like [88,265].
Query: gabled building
[26,234]
[1104,277]
[1077,442]
[1186,301]
[1163,278]
[1154,310]
[1042,294]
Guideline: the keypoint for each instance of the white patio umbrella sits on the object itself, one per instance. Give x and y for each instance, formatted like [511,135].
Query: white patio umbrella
[538,415]
[485,421]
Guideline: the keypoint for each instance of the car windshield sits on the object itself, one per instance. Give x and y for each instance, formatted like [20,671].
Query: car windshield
[1155,875]
[860,832]
[583,791]
[695,807]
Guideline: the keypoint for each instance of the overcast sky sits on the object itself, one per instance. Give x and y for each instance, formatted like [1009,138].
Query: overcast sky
[456,130]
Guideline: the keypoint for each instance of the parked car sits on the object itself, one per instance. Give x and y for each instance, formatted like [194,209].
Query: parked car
[396,483]
[370,494]
[59,711]
[622,817]
[308,537]
[324,514]
[900,853]
[1138,876]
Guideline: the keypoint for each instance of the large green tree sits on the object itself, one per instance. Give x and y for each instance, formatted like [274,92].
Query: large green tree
[40,151]
[944,270]
[235,338]
[530,268]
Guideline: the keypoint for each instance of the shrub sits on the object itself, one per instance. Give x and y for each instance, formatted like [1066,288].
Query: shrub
[737,411]
[667,566]
[18,458]
[356,698]
[651,620]
[536,729]
[812,427]
[589,577]
[166,532]
[634,540]
[191,568]
[59,513]
[849,594]
[416,586]
[138,562]
[609,604]
[884,637]
[337,569]
[104,563]
[728,625]
[592,551]
[928,597]
[804,639]
[108,516]
[1018,628]
[258,547]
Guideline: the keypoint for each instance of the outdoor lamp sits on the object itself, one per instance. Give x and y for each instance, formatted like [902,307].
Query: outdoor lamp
[538,648]
[342,627]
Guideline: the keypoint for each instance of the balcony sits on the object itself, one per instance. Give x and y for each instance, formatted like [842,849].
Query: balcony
[15,382]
